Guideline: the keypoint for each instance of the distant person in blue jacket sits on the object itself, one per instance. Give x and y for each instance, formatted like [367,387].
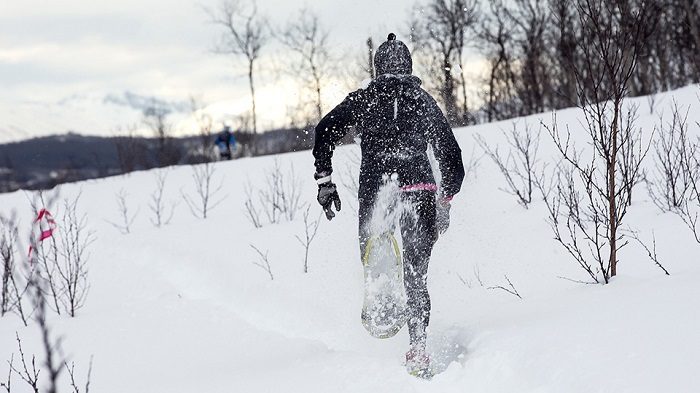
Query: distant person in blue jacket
[226,143]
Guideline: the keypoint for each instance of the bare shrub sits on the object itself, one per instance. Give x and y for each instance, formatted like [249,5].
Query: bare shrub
[126,218]
[471,165]
[251,208]
[13,286]
[670,186]
[279,199]
[675,186]
[519,167]
[651,251]
[28,374]
[72,267]
[264,262]
[29,371]
[160,213]
[63,260]
[632,148]
[206,192]
[310,230]
[510,288]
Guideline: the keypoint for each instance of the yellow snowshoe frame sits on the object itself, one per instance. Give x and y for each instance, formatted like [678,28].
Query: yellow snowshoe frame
[370,244]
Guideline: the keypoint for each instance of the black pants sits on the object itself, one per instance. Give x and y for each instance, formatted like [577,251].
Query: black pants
[416,216]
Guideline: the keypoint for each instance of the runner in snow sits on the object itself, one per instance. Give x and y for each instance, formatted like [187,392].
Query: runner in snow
[226,143]
[397,120]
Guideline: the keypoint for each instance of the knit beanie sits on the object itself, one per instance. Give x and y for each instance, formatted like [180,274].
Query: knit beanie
[393,57]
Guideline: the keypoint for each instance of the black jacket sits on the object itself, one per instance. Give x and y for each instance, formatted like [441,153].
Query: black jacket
[396,120]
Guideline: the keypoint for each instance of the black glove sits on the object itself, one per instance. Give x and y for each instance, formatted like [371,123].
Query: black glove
[328,196]
[442,219]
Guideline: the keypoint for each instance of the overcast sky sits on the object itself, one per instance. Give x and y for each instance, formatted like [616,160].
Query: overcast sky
[53,49]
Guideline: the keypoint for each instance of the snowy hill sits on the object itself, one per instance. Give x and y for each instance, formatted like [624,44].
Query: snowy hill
[184,308]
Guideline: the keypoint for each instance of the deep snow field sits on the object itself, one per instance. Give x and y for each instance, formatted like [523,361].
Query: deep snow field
[184,309]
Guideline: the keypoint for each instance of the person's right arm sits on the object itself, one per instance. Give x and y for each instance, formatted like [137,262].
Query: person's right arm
[329,131]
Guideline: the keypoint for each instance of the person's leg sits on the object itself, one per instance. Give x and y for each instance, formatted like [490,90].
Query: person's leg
[376,211]
[418,234]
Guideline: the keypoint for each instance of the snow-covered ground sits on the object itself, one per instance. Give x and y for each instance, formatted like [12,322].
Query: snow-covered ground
[184,309]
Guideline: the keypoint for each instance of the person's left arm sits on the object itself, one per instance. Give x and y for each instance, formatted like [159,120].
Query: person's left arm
[447,151]
[449,158]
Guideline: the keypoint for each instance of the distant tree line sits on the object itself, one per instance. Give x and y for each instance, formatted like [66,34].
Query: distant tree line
[534,48]
[531,49]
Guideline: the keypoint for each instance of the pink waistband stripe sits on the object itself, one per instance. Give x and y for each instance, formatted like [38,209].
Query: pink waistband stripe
[420,187]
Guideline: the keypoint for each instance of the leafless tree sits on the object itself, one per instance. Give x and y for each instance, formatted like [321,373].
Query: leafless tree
[563,37]
[161,214]
[310,229]
[520,166]
[496,37]
[131,150]
[595,193]
[155,117]
[207,192]
[531,18]
[306,37]
[205,127]
[126,219]
[244,34]
[264,262]
[440,30]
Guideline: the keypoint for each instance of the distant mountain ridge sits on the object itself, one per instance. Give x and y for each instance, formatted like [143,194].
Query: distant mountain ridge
[43,162]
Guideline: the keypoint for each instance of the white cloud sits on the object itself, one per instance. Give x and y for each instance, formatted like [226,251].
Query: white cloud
[51,49]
